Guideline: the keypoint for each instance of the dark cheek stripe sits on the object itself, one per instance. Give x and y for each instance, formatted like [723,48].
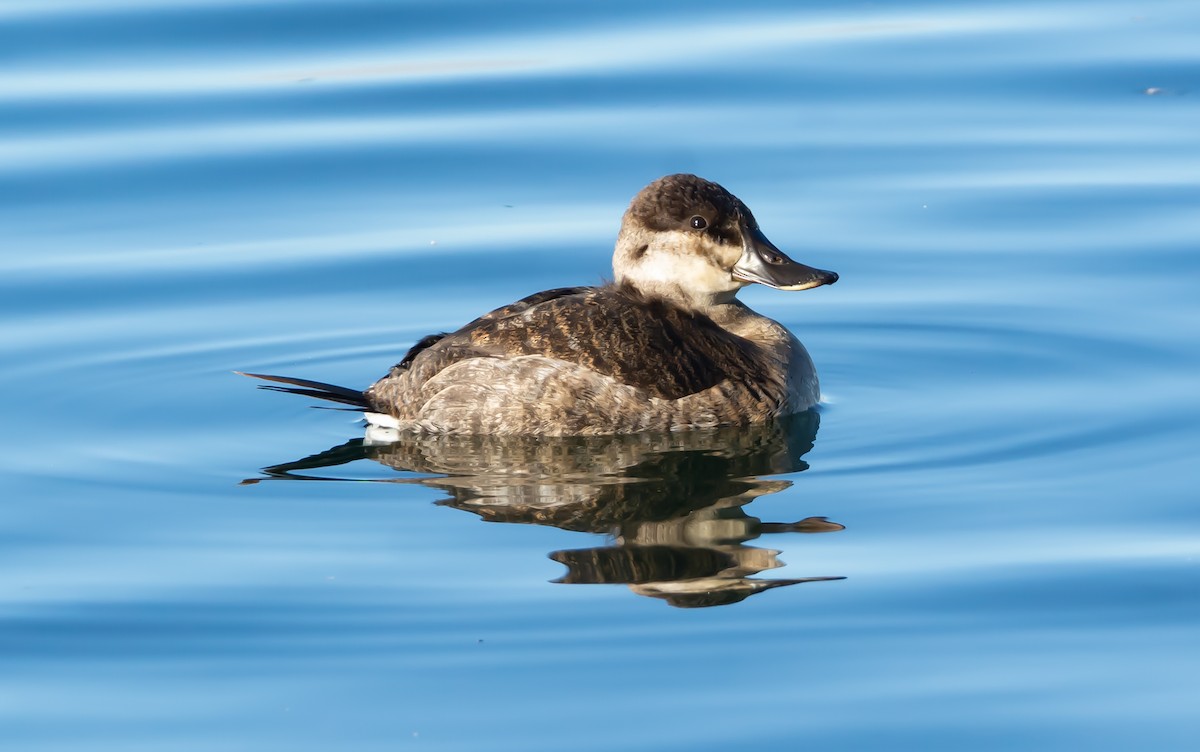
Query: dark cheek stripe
[727,235]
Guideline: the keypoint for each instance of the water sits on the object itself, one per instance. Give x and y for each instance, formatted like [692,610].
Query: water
[1003,474]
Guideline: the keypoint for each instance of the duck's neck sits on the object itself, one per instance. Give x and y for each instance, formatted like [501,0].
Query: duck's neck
[736,317]
[723,307]
[779,346]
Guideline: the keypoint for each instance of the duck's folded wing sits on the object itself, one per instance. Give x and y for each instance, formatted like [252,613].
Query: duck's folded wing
[667,351]
[519,306]
[530,301]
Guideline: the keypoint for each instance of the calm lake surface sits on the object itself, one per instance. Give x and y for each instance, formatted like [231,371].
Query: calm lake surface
[1003,477]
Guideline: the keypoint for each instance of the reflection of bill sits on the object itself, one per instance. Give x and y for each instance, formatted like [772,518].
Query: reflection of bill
[699,560]
[672,503]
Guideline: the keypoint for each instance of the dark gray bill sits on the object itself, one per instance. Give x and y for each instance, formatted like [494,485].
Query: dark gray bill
[765,264]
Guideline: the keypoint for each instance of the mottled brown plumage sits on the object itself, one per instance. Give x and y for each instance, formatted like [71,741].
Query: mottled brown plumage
[666,346]
[649,344]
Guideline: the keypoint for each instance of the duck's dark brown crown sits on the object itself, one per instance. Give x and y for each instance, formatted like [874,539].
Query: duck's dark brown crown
[669,203]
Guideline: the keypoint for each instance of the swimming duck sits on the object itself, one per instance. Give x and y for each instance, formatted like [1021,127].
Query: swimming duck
[666,346]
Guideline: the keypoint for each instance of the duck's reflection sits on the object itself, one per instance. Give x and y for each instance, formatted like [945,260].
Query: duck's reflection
[672,503]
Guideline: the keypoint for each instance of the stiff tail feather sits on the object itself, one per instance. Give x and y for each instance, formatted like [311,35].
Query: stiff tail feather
[317,389]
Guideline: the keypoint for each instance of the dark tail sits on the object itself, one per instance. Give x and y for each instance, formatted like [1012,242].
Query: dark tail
[318,389]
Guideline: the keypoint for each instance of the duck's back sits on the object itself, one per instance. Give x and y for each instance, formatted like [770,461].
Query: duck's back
[581,360]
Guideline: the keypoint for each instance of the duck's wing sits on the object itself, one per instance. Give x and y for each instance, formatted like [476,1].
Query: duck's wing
[528,302]
[648,344]
[502,312]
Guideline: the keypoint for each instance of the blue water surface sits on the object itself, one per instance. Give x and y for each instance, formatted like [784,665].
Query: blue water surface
[1004,471]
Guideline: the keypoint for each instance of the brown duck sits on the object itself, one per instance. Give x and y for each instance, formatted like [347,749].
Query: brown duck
[666,346]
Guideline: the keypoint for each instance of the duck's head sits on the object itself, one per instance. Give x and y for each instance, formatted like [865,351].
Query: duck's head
[693,242]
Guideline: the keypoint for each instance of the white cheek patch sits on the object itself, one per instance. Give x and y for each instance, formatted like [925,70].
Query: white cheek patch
[670,260]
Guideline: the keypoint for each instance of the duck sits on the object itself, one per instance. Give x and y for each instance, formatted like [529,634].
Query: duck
[665,346]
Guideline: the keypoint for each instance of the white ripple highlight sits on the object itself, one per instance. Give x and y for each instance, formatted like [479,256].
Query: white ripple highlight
[614,48]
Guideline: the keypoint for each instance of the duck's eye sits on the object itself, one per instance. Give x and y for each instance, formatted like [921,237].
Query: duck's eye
[699,222]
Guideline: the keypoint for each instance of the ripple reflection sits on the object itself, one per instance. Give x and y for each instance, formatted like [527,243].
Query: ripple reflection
[671,504]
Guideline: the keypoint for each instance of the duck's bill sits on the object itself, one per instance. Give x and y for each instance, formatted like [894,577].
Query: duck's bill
[765,264]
